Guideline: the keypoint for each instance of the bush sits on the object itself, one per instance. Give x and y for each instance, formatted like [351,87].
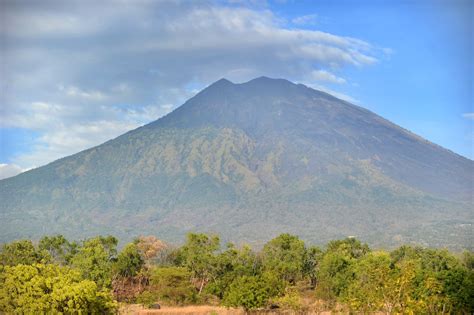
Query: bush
[173,285]
[38,288]
[129,261]
[22,252]
[95,260]
[284,256]
[290,300]
[253,292]
[147,298]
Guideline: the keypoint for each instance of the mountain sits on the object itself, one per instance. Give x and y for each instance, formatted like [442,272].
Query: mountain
[250,161]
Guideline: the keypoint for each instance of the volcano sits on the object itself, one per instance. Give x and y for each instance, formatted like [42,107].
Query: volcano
[250,161]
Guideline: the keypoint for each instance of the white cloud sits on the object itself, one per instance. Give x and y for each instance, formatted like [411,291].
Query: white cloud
[88,95]
[323,75]
[79,78]
[310,19]
[9,170]
[68,129]
[469,116]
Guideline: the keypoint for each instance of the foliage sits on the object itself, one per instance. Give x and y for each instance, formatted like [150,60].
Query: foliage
[61,276]
[95,258]
[253,292]
[231,264]
[370,289]
[334,271]
[285,256]
[149,247]
[468,260]
[59,248]
[334,275]
[147,298]
[290,300]
[350,247]
[198,255]
[173,285]
[21,252]
[129,261]
[312,259]
[38,288]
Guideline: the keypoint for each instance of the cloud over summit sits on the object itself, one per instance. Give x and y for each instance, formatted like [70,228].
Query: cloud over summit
[83,72]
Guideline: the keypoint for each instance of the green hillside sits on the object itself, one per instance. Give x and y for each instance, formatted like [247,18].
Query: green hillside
[250,161]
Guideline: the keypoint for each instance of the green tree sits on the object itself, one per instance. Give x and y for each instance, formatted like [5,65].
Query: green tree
[311,262]
[253,292]
[172,284]
[350,247]
[231,264]
[468,260]
[59,248]
[198,254]
[334,275]
[21,252]
[39,289]
[441,282]
[129,261]
[285,256]
[335,271]
[95,259]
[371,289]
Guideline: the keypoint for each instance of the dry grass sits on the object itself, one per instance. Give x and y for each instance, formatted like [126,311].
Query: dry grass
[136,309]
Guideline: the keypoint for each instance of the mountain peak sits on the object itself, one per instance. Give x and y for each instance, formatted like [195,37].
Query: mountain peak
[266,81]
[222,81]
[251,159]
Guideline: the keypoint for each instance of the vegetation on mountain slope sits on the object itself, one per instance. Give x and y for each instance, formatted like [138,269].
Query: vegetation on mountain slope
[247,161]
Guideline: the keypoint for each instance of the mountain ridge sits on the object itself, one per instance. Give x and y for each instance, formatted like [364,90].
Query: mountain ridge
[253,159]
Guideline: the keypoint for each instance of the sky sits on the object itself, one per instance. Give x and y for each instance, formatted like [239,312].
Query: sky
[74,74]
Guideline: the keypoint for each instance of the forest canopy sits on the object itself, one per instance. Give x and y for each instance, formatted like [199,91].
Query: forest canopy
[95,276]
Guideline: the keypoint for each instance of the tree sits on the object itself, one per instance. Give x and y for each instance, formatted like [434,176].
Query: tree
[21,252]
[59,248]
[198,255]
[468,260]
[253,292]
[171,284]
[335,268]
[149,248]
[285,256]
[40,289]
[94,260]
[440,283]
[311,262]
[334,275]
[370,291]
[231,264]
[129,261]
[350,246]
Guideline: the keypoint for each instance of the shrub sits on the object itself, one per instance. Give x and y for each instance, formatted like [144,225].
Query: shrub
[22,252]
[253,292]
[38,288]
[129,261]
[173,285]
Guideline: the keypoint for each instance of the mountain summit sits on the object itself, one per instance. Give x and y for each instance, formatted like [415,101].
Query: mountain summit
[250,161]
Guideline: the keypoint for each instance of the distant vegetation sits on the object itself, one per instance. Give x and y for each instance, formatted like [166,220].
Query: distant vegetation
[92,276]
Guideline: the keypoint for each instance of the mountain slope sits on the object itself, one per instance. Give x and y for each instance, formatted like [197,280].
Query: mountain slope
[250,161]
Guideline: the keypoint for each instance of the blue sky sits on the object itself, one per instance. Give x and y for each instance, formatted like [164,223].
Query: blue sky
[77,73]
